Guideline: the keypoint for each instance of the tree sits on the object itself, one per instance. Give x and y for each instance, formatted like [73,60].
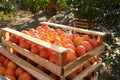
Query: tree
[34,6]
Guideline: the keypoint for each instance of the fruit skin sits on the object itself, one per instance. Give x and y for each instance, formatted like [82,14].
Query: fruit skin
[94,43]
[87,45]
[86,37]
[24,43]
[80,50]
[78,40]
[6,62]
[44,53]
[11,65]
[86,65]
[18,72]
[15,39]
[70,55]
[10,71]
[2,70]
[2,59]
[72,75]
[26,76]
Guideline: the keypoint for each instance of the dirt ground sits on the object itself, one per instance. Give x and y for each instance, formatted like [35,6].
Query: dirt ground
[110,70]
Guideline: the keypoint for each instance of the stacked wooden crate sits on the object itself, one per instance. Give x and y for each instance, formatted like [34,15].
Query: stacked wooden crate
[61,69]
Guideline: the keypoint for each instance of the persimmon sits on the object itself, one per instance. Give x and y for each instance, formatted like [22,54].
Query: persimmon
[86,37]
[44,53]
[92,60]
[94,43]
[26,76]
[24,43]
[2,70]
[87,45]
[70,55]
[33,31]
[2,59]
[25,32]
[11,65]
[45,26]
[80,50]
[78,40]
[15,39]
[70,46]
[67,41]
[35,48]
[40,29]
[53,58]
[6,62]
[10,71]
[18,72]
[72,75]
[80,69]
[86,65]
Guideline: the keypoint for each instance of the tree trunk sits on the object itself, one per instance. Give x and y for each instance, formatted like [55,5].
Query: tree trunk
[36,22]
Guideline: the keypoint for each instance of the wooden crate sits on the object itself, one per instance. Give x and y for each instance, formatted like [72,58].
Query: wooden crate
[38,74]
[83,23]
[61,69]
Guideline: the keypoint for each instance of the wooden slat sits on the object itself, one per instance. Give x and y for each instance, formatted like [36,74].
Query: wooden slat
[37,59]
[88,70]
[48,45]
[40,75]
[70,67]
[75,29]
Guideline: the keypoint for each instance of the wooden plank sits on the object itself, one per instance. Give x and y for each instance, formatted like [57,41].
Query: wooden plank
[40,75]
[48,45]
[75,29]
[70,67]
[82,26]
[39,60]
[88,70]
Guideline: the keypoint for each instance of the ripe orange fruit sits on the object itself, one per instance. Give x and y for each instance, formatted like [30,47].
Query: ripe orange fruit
[78,40]
[87,45]
[24,43]
[87,64]
[70,55]
[2,59]
[67,41]
[92,60]
[80,50]
[10,71]
[72,75]
[86,37]
[11,65]
[18,72]
[35,48]
[1,64]
[15,39]
[53,58]
[40,29]
[26,76]
[45,26]
[70,46]
[94,43]
[25,32]
[44,53]
[33,31]
[6,62]
[2,70]
[69,36]
[80,69]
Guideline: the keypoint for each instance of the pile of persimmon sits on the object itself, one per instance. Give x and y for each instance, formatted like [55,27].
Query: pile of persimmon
[77,45]
[11,71]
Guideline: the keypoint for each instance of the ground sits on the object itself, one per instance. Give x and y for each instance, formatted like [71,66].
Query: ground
[110,69]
